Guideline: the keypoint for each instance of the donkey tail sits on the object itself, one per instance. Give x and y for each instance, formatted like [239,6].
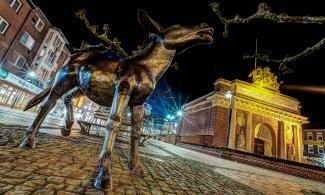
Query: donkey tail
[38,98]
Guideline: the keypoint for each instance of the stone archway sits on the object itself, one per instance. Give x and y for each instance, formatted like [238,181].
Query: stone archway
[264,140]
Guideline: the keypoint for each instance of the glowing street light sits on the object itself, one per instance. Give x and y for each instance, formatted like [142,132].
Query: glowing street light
[228,94]
[31,74]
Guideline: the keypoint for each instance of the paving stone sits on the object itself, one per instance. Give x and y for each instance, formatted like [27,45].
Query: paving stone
[76,189]
[8,165]
[5,187]
[61,173]
[17,174]
[24,190]
[79,175]
[35,184]
[56,180]
[44,192]
[54,186]
[35,176]
[94,192]
[11,181]
[65,193]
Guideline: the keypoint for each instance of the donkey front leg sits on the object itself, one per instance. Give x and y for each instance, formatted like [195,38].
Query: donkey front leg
[136,121]
[65,131]
[121,99]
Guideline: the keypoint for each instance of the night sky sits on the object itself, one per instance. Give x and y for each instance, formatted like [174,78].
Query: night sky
[200,66]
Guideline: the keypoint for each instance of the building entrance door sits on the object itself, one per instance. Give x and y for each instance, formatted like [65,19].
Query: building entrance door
[258,146]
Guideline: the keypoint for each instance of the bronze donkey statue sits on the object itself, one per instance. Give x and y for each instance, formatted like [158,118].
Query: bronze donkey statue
[117,84]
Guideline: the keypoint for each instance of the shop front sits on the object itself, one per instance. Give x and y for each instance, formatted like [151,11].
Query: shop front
[16,92]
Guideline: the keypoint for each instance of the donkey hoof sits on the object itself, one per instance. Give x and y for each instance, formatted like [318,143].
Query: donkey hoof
[138,171]
[65,132]
[103,183]
[27,143]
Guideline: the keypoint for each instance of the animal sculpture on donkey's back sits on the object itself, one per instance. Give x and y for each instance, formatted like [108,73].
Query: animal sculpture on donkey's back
[117,84]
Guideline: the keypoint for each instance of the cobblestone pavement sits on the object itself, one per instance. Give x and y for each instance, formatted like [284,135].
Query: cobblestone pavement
[269,182]
[67,166]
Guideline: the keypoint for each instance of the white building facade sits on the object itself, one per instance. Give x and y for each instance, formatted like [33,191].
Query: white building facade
[46,60]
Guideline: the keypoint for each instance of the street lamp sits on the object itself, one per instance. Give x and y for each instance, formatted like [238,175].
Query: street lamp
[229,95]
[177,133]
[179,113]
[31,74]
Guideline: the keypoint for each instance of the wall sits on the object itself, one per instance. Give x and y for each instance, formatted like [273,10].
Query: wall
[38,36]
[15,21]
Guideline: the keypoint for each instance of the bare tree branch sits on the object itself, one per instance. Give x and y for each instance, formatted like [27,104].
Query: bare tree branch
[114,45]
[264,12]
[309,50]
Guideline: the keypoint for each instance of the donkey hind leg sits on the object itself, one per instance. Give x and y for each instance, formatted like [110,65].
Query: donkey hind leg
[32,130]
[121,99]
[136,121]
[66,130]
[65,80]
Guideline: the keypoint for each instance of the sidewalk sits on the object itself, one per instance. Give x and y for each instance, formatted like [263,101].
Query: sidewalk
[68,165]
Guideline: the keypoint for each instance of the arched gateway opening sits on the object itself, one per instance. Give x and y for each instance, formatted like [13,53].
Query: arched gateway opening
[264,140]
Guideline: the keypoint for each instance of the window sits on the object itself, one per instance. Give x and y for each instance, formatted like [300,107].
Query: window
[38,23]
[309,136]
[42,52]
[319,136]
[320,149]
[20,62]
[17,60]
[56,40]
[27,40]
[14,4]
[3,25]
[51,57]
[42,74]
[310,149]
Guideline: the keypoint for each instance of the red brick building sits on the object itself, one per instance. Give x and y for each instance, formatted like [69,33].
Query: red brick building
[23,27]
[13,15]
[254,119]
[313,142]
[25,39]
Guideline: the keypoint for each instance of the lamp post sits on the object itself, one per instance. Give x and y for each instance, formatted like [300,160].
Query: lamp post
[229,95]
[177,133]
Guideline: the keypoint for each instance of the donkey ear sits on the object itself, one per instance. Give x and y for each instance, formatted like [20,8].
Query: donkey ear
[147,23]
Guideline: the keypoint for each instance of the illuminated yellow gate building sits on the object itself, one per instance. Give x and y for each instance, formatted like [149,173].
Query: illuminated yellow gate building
[253,117]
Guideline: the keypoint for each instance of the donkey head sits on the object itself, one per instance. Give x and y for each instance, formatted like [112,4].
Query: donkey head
[177,36]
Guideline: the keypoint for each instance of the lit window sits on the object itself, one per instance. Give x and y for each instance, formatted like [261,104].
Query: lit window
[319,136]
[14,4]
[320,149]
[3,25]
[38,23]
[310,149]
[309,135]
[27,40]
